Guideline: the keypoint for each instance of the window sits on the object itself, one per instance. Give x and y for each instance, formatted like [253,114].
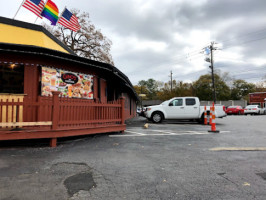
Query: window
[190,101]
[12,78]
[177,102]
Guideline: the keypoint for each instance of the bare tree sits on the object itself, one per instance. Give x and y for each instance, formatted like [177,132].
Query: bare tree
[88,42]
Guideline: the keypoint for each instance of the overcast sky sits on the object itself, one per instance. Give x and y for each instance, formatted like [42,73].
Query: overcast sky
[153,37]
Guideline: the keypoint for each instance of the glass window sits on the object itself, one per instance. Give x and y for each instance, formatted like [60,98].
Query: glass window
[12,78]
[190,101]
[177,102]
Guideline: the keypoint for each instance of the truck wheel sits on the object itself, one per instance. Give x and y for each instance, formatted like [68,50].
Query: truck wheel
[157,117]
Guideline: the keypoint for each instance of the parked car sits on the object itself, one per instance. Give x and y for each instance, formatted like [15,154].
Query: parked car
[181,108]
[253,110]
[236,110]
[140,111]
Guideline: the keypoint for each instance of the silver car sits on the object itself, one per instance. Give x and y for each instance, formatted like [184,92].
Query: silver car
[253,109]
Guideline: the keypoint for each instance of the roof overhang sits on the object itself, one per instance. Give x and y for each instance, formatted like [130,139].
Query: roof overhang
[22,33]
[110,71]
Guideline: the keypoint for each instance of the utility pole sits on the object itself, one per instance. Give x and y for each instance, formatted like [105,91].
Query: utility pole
[171,76]
[211,48]
[212,71]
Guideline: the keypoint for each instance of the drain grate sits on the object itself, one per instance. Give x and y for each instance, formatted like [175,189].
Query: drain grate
[262,175]
[82,181]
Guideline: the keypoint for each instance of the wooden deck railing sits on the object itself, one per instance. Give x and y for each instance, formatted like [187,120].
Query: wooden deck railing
[77,113]
[57,113]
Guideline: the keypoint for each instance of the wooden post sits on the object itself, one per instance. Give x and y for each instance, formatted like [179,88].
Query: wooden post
[55,118]
[122,99]
[53,142]
[39,110]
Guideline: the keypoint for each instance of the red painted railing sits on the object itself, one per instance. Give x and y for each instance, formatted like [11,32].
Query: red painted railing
[76,113]
[63,113]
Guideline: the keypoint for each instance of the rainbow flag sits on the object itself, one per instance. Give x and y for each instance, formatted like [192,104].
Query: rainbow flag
[50,12]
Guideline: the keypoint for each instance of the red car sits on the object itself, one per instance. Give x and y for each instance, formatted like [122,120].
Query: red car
[234,110]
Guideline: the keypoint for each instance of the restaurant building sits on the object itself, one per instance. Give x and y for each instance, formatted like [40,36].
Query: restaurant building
[47,91]
[258,98]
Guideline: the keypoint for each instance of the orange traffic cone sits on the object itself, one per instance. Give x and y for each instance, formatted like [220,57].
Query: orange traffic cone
[213,124]
[210,116]
[205,116]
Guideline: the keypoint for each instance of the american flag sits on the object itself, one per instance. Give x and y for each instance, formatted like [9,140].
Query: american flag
[69,20]
[35,6]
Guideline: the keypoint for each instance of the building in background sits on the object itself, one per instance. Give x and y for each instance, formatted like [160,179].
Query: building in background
[258,98]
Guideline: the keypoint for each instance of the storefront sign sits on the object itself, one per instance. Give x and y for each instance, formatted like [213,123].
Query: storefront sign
[70,84]
[69,78]
[259,97]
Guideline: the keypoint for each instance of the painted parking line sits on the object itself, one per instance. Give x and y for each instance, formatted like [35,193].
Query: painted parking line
[183,132]
[140,135]
[238,149]
[175,125]
[134,132]
[188,132]
[164,132]
[197,132]
[160,133]
[225,131]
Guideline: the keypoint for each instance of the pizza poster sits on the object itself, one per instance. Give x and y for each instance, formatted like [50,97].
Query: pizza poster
[69,84]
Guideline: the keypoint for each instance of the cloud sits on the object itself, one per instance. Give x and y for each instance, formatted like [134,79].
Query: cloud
[152,37]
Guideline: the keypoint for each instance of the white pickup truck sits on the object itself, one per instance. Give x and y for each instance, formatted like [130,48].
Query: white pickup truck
[181,108]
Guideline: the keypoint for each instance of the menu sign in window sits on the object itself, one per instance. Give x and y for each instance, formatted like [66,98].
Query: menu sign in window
[70,84]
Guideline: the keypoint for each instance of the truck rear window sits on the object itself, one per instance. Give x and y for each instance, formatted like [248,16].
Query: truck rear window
[190,101]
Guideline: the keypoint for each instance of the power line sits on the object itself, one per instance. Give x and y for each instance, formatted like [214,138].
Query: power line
[246,42]
[244,35]
[199,51]
[196,54]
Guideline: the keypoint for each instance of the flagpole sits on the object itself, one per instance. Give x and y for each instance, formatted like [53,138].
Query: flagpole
[57,20]
[36,20]
[61,14]
[37,16]
[18,9]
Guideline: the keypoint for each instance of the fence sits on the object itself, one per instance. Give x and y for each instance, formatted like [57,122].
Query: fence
[56,113]
[242,103]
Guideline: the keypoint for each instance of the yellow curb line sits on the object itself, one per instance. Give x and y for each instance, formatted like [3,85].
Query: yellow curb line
[238,149]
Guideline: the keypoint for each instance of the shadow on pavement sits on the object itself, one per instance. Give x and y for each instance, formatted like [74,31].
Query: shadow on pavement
[140,121]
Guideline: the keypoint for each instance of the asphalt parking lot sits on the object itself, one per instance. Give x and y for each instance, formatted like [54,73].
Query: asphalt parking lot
[172,160]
